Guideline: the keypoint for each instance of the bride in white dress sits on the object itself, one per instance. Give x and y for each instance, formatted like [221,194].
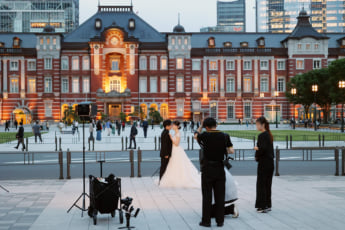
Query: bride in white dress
[180,173]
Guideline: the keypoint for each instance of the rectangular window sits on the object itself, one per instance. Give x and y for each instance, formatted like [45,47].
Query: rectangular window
[299,64]
[48,106]
[75,63]
[317,46]
[143,63]
[64,63]
[247,84]
[213,85]
[75,85]
[86,85]
[180,109]
[54,41]
[281,65]
[143,85]
[164,63]
[196,85]
[213,110]
[48,85]
[213,65]
[14,65]
[86,63]
[48,63]
[31,65]
[14,85]
[164,85]
[264,65]
[64,85]
[153,84]
[230,65]
[307,46]
[316,64]
[32,85]
[247,110]
[299,46]
[247,65]
[230,85]
[179,63]
[115,65]
[231,111]
[179,84]
[264,85]
[281,85]
[196,65]
[153,63]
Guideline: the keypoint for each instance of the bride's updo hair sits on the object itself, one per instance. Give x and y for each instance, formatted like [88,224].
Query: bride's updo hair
[178,124]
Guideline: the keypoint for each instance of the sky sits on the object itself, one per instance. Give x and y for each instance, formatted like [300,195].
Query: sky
[163,14]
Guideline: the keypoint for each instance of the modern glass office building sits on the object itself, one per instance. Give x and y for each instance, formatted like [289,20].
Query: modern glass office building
[33,15]
[279,16]
[231,17]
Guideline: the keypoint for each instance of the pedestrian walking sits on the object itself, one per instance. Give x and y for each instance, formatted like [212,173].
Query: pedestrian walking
[185,126]
[7,126]
[16,124]
[108,127]
[152,122]
[118,127]
[36,129]
[123,126]
[20,137]
[99,131]
[91,128]
[264,156]
[133,134]
[145,127]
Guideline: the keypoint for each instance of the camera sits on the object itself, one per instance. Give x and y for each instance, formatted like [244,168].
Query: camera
[128,209]
[126,203]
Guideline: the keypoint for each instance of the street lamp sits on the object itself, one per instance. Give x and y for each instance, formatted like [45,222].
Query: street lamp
[342,87]
[315,89]
[262,95]
[294,93]
[276,95]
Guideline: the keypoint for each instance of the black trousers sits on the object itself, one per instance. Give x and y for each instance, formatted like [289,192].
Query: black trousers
[164,165]
[132,139]
[20,141]
[145,132]
[264,184]
[39,136]
[213,181]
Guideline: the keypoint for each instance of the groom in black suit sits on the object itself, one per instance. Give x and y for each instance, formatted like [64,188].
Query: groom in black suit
[166,147]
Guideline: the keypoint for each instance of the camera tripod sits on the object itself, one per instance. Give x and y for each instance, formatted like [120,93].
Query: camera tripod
[128,218]
[3,188]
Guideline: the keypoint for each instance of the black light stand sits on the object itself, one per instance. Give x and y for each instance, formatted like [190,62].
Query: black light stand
[4,188]
[128,216]
[84,194]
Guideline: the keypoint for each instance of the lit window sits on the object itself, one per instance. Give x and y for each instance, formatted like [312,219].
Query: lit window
[48,85]
[196,85]
[180,109]
[213,110]
[14,85]
[31,65]
[14,65]
[316,64]
[264,65]
[48,41]
[179,63]
[281,65]
[164,63]
[115,85]
[196,65]
[230,85]
[247,110]
[32,85]
[41,41]
[211,42]
[86,63]
[264,84]
[299,46]
[179,84]
[213,65]
[153,84]
[143,85]
[179,41]
[281,85]
[316,46]
[244,44]
[186,41]
[153,63]
[86,85]
[164,85]
[213,85]
[143,63]
[75,63]
[64,85]
[247,65]
[247,84]
[48,107]
[231,111]
[307,46]
[75,85]
[173,41]
[54,41]
[230,65]
[64,63]
[300,64]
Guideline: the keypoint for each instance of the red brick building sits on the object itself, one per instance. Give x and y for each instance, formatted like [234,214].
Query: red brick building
[118,61]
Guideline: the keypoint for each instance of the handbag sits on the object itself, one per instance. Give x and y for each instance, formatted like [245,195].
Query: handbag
[227,163]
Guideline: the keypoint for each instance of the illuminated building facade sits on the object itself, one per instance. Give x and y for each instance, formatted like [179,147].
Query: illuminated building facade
[279,16]
[121,63]
[34,15]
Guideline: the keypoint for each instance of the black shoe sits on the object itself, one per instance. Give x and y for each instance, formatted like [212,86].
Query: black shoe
[220,224]
[16,147]
[207,225]
[268,209]
[261,210]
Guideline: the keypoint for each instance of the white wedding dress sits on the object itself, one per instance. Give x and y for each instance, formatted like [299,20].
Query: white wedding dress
[180,173]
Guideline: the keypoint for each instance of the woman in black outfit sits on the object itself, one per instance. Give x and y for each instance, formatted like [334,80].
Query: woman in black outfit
[264,156]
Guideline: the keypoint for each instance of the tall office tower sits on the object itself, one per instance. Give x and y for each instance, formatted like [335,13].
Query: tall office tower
[231,17]
[279,16]
[34,15]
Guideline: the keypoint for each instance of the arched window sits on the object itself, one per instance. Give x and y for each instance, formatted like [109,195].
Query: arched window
[153,63]
[164,111]
[143,63]
[143,111]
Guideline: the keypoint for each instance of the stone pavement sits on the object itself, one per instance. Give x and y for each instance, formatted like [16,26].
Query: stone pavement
[304,202]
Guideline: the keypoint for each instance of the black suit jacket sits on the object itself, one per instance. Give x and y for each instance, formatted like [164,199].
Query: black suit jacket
[134,131]
[166,144]
[20,133]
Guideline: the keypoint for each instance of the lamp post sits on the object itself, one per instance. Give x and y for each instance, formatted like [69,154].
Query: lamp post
[315,89]
[342,87]
[294,93]
[276,95]
[262,95]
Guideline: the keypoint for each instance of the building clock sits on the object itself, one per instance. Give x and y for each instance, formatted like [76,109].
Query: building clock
[114,40]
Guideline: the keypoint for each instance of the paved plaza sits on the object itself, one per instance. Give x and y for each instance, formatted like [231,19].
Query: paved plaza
[311,202]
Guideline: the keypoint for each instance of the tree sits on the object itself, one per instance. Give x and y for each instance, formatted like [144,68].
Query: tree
[70,115]
[336,74]
[123,116]
[155,115]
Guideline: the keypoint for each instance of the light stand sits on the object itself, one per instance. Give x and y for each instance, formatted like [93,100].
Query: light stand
[128,216]
[4,188]
[84,194]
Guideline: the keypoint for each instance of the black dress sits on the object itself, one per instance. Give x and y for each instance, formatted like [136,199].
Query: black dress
[265,158]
